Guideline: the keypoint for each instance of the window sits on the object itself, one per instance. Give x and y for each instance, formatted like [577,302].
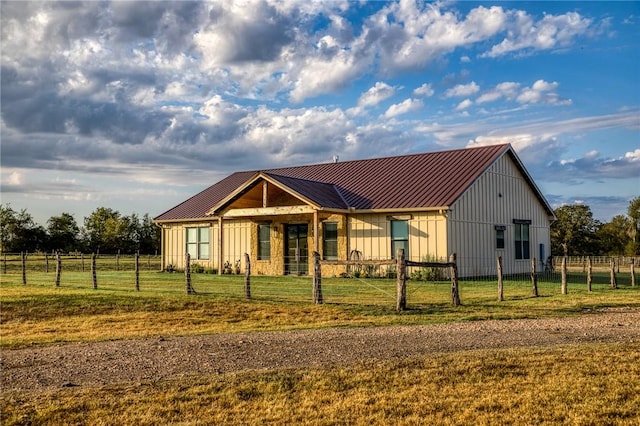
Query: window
[522,238]
[198,242]
[330,240]
[500,236]
[399,237]
[264,242]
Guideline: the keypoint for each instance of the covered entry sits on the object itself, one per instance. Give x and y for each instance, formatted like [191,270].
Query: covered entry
[296,258]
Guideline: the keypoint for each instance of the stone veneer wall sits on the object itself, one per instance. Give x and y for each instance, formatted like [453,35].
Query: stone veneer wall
[275,266]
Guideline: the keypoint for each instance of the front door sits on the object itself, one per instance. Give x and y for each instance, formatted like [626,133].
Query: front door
[296,259]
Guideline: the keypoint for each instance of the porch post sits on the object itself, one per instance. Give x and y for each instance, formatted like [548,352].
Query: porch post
[220,251]
[316,229]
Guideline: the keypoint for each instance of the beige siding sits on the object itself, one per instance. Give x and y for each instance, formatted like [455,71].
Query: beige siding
[236,240]
[174,241]
[498,197]
[370,236]
[427,237]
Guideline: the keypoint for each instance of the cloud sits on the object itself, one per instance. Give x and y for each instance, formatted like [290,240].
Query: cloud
[525,34]
[464,105]
[462,90]
[410,34]
[403,107]
[592,164]
[425,91]
[507,90]
[376,94]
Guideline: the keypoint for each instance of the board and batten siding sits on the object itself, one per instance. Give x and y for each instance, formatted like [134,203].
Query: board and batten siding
[235,242]
[499,196]
[174,244]
[370,235]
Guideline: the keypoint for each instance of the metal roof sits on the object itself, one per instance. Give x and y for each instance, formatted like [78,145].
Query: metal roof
[428,180]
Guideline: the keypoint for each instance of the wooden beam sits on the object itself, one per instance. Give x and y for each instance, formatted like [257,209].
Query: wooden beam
[316,232]
[269,211]
[265,194]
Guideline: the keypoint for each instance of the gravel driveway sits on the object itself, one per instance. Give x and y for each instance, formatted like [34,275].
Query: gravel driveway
[122,361]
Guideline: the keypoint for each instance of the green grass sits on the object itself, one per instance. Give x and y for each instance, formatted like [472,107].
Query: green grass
[40,313]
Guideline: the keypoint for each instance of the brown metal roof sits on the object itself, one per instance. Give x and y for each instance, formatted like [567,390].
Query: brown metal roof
[323,194]
[429,180]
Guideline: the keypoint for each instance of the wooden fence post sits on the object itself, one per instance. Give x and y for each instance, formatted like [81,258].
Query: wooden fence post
[46,263]
[563,270]
[4,263]
[589,273]
[247,276]
[137,268]
[317,279]
[401,281]
[614,284]
[455,291]
[58,269]
[187,275]
[500,285]
[82,260]
[94,275]
[118,260]
[23,255]
[633,272]
[534,278]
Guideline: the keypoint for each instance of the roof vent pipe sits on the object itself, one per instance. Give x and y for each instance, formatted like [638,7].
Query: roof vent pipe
[336,158]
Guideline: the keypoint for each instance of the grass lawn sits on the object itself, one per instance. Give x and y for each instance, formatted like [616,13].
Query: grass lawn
[40,313]
[582,384]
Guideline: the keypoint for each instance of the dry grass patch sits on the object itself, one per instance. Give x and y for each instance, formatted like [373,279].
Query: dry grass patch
[587,384]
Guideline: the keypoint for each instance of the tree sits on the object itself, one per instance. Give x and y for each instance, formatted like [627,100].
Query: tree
[573,233]
[149,236]
[63,233]
[633,212]
[101,231]
[614,236]
[19,232]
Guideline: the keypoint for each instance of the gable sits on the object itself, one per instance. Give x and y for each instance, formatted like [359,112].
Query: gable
[503,193]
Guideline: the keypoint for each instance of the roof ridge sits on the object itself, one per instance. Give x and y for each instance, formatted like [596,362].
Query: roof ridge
[416,154]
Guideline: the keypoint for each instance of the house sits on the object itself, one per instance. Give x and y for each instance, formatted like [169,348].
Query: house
[479,203]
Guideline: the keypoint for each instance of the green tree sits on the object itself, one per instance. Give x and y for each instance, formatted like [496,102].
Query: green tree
[101,230]
[614,236]
[574,231]
[19,232]
[64,233]
[148,236]
[633,211]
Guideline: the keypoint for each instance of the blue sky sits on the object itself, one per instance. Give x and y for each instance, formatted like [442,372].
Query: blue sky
[137,106]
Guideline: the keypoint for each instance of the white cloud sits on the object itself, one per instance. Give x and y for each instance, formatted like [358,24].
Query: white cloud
[417,32]
[461,90]
[542,92]
[524,33]
[376,94]
[425,90]
[464,105]
[633,155]
[403,107]
[507,90]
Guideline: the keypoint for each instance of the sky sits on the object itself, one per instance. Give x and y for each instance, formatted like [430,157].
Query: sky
[137,106]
